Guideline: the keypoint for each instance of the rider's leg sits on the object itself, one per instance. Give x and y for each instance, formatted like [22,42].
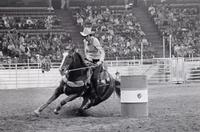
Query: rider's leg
[64,101]
[94,87]
[95,77]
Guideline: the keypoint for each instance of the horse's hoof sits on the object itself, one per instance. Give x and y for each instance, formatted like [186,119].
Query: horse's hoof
[36,113]
[79,111]
[56,112]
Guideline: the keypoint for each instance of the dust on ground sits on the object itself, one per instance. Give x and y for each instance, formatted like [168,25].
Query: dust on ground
[171,108]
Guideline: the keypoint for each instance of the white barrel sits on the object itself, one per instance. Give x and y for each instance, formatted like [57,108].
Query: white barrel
[134,96]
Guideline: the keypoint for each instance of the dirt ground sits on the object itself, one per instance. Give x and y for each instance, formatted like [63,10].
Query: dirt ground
[172,108]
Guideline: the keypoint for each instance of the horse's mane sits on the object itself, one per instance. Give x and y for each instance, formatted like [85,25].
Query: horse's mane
[78,62]
[81,58]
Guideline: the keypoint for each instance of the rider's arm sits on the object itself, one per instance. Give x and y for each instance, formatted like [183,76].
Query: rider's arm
[85,47]
[100,48]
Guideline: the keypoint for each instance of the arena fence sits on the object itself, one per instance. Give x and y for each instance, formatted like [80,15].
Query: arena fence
[157,70]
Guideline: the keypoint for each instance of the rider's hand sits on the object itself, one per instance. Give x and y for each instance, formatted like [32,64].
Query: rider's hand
[99,63]
[88,63]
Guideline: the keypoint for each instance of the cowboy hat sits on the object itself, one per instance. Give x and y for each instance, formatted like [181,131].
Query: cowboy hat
[86,32]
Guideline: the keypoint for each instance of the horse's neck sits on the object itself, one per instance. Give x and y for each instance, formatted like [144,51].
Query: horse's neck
[81,60]
[77,74]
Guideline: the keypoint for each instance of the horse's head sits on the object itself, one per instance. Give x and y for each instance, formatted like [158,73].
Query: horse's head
[67,60]
[73,62]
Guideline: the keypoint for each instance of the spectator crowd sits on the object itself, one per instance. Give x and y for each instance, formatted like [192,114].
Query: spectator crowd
[120,33]
[182,23]
[22,47]
[21,22]
[118,30]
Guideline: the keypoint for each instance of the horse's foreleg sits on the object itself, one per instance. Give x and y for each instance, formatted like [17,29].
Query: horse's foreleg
[64,101]
[51,99]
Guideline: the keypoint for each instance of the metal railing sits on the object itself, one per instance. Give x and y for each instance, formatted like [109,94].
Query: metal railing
[158,71]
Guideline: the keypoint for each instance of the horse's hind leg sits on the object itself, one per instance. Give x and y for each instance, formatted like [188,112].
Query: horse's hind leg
[82,108]
[87,106]
[51,99]
[64,101]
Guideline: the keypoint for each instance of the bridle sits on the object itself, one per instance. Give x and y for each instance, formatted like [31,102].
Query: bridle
[76,69]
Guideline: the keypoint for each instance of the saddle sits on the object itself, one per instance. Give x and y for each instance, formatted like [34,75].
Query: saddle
[104,77]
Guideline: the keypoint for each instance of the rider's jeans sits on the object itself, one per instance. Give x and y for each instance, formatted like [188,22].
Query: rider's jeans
[95,76]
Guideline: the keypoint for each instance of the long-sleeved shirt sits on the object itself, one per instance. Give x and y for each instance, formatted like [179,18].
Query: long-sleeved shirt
[93,49]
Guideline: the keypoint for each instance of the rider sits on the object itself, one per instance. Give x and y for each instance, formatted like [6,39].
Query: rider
[94,53]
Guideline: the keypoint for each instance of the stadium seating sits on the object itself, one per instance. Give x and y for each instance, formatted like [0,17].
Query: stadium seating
[181,21]
[117,29]
[31,33]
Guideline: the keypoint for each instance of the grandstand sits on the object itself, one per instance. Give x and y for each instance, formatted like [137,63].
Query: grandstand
[121,30]
[128,30]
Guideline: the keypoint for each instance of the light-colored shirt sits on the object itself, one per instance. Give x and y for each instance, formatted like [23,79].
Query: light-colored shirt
[93,49]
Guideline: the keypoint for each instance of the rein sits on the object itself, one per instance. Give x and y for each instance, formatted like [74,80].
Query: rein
[76,69]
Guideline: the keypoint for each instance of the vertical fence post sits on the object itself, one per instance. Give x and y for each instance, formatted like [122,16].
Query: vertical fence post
[163,46]
[170,46]
[134,60]
[28,64]
[16,74]
[38,69]
[117,62]
[141,54]
[134,96]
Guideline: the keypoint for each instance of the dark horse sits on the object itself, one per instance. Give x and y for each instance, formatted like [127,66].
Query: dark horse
[75,70]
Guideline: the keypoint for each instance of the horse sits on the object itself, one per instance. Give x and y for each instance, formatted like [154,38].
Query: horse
[74,69]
